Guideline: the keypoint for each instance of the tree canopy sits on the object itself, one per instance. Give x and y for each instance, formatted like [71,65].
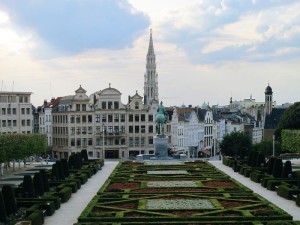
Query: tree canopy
[235,144]
[289,120]
[20,146]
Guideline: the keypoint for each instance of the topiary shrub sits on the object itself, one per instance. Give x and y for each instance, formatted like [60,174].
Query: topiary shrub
[28,187]
[277,168]
[270,165]
[45,180]
[250,156]
[38,184]
[65,167]
[61,173]
[3,214]
[84,155]
[71,162]
[254,159]
[9,199]
[261,160]
[287,169]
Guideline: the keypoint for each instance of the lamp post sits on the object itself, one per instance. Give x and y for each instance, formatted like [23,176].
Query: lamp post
[103,141]
[273,145]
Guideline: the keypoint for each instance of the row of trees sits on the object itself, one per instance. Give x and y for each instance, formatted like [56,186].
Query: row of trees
[20,146]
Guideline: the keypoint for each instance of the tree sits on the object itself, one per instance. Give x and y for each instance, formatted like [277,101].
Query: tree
[290,140]
[289,120]
[266,147]
[235,144]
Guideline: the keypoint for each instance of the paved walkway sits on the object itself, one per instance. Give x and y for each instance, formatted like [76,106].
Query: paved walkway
[68,213]
[287,205]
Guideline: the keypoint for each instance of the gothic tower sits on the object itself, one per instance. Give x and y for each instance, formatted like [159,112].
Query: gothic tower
[150,77]
[268,100]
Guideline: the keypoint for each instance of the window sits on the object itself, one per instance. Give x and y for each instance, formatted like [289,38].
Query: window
[84,142]
[84,118]
[116,105]
[116,119]
[150,129]
[8,111]
[98,130]
[90,141]
[130,141]
[122,117]
[9,123]
[117,142]
[98,118]
[109,105]
[3,111]
[78,142]
[90,118]
[20,98]
[122,129]
[77,107]
[142,117]
[72,130]
[72,141]
[110,129]
[150,140]
[28,122]
[103,118]
[143,129]
[78,130]
[72,119]
[23,123]
[26,99]
[103,105]
[14,111]
[136,141]
[90,130]
[77,119]
[142,141]
[28,111]
[130,129]
[137,129]
[136,105]
[136,117]
[83,107]
[98,141]
[84,130]
[110,117]
[150,117]
[123,141]
[14,123]
[130,118]
[116,130]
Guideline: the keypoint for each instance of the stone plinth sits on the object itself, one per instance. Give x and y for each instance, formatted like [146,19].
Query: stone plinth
[161,146]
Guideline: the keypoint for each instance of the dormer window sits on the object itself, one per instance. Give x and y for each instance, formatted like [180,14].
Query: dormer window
[136,105]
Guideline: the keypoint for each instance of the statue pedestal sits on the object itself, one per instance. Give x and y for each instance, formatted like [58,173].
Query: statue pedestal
[161,146]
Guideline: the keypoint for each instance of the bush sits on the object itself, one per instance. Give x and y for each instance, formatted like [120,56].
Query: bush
[277,169]
[287,169]
[2,209]
[36,217]
[38,184]
[254,159]
[261,161]
[84,155]
[9,199]
[65,166]
[270,165]
[28,188]
[250,156]
[44,176]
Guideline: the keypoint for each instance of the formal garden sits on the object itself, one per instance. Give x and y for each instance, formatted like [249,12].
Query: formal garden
[177,192]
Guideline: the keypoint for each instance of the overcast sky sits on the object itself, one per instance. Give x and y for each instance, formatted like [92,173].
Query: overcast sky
[206,50]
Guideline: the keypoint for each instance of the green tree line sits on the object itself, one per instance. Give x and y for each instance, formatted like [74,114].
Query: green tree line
[20,146]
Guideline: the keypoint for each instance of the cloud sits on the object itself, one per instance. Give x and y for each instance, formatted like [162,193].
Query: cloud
[218,31]
[71,27]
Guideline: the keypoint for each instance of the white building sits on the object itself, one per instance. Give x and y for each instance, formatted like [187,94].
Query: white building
[16,112]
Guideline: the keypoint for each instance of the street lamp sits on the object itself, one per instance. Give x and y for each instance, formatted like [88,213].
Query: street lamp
[273,145]
[103,139]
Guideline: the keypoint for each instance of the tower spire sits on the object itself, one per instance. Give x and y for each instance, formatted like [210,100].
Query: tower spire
[150,77]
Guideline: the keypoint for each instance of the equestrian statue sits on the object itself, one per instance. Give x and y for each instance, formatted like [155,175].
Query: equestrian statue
[160,119]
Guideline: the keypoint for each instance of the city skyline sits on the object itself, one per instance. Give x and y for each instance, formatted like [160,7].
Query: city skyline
[206,51]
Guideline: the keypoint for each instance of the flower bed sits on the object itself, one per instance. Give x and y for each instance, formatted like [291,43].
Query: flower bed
[177,193]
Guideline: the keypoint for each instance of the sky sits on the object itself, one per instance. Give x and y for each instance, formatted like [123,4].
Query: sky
[206,50]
